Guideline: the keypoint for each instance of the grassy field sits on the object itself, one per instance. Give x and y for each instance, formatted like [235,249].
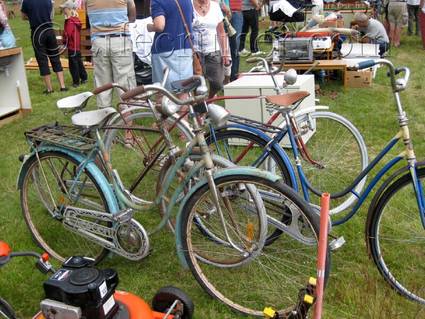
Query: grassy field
[355,288]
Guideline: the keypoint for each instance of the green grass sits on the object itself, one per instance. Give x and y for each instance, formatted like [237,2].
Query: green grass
[355,289]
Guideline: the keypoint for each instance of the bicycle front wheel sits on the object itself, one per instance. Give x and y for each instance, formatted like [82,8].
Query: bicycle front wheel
[52,183]
[338,147]
[396,238]
[247,283]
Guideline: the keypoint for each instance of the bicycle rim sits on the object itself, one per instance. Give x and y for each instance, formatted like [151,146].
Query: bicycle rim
[274,276]
[339,147]
[44,196]
[396,239]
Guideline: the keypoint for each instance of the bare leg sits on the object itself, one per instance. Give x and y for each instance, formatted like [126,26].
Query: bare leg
[397,34]
[61,79]
[392,34]
[48,82]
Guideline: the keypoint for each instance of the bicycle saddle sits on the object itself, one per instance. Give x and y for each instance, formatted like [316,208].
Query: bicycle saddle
[92,118]
[287,100]
[185,85]
[74,101]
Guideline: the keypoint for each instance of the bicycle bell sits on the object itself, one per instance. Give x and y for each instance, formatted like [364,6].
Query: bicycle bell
[218,114]
[290,76]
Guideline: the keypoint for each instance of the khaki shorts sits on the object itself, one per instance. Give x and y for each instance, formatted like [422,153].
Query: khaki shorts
[397,13]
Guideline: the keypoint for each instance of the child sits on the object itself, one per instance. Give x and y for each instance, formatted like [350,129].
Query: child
[71,38]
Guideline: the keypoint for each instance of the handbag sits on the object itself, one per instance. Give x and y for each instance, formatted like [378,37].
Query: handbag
[197,66]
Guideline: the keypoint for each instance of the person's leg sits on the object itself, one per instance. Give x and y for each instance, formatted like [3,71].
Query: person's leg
[416,16]
[245,29]
[74,67]
[254,31]
[214,72]
[237,22]
[422,26]
[122,62]
[102,70]
[82,70]
[411,19]
[42,60]
[54,56]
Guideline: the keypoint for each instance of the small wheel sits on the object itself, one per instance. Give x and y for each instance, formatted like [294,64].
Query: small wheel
[166,296]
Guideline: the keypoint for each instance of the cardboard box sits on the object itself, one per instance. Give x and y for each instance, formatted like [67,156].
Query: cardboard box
[359,79]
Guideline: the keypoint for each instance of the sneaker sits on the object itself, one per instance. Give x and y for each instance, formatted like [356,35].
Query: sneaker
[257,53]
[64,89]
[84,81]
[75,85]
[47,92]
[244,52]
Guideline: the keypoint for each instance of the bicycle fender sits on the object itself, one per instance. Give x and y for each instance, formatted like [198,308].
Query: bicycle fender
[239,170]
[91,167]
[275,146]
[387,183]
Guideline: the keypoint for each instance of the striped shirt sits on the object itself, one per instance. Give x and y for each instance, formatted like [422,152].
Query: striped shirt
[108,17]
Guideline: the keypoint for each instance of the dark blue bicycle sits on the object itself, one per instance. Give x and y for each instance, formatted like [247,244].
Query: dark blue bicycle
[395,233]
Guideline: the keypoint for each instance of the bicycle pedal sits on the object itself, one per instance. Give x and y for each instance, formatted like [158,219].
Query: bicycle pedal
[337,243]
[308,299]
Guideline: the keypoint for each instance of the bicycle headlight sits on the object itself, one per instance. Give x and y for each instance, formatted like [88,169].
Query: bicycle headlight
[218,114]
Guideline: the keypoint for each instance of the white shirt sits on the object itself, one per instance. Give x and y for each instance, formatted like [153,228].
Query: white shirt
[413,2]
[205,29]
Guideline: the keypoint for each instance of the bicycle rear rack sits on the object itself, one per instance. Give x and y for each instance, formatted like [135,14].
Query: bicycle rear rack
[69,137]
[255,124]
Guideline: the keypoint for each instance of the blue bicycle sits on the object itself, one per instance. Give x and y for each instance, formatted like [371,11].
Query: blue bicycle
[395,224]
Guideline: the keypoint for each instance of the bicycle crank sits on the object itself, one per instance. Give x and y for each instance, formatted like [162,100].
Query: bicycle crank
[125,236]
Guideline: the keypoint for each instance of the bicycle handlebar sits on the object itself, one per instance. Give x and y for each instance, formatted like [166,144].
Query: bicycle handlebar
[107,87]
[202,90]
[266,65]
[398,84]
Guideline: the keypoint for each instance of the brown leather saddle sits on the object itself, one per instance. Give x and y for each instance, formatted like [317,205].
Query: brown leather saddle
[287,101]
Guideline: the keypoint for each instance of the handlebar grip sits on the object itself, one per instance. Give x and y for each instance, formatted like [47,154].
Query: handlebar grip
[132,93]
[366,64]
[103,88]
[193,79]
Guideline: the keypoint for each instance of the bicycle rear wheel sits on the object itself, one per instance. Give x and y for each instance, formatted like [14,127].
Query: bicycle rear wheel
[396,238]
[337,145]
[271,277]
[45,194]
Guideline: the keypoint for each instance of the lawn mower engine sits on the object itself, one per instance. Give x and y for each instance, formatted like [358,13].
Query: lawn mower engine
[78,290]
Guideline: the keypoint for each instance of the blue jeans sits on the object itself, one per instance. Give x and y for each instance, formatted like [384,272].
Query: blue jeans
[237,22]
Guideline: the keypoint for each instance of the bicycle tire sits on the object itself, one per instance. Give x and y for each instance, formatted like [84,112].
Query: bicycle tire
[168,164]
[230,143]
[339,146]
[6,310]
[244,287]
[398,259]
[40,202]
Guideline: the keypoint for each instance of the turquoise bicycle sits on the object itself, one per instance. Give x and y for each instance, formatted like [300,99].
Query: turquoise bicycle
[75,204]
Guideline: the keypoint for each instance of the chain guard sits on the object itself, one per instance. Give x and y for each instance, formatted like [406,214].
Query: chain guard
[85,222]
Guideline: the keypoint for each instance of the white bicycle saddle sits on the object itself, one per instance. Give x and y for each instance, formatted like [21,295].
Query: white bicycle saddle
[92,118]
[74,101]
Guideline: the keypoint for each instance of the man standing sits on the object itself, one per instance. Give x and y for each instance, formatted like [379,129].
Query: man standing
[43,40]
[111,44]
[250,20]
[413,12]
